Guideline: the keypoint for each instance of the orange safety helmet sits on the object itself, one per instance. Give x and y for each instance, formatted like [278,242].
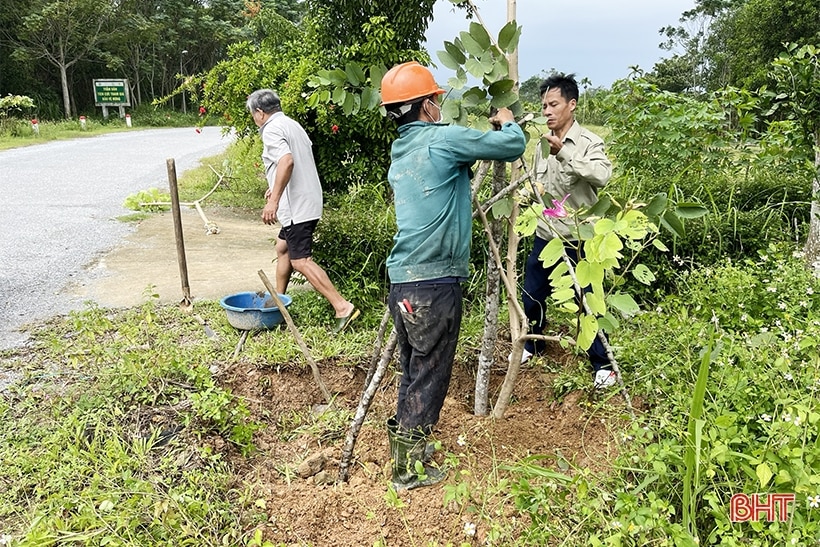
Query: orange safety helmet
[406,82]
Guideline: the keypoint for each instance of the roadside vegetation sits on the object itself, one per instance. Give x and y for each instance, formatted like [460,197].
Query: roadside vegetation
[17,129]
[123,429]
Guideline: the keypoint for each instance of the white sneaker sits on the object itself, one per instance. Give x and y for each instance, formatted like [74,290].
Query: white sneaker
[604,379]
[525,356]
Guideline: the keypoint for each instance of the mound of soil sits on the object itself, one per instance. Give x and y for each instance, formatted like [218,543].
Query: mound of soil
[314,510]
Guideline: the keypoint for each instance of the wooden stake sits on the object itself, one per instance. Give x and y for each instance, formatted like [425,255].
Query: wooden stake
[183,264]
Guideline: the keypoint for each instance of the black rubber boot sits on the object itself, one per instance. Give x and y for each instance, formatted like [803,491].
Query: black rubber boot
[407,452]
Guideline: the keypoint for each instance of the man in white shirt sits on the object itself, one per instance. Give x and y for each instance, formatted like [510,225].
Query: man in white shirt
[294,199]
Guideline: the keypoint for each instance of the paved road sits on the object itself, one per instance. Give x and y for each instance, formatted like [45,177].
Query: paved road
[58,207]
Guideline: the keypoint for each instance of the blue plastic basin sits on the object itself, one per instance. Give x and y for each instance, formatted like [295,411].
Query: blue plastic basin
[247,311]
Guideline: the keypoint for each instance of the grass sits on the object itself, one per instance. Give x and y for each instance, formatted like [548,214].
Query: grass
[52,131]
[15,133]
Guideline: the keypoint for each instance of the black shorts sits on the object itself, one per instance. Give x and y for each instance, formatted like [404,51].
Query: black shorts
[299,238]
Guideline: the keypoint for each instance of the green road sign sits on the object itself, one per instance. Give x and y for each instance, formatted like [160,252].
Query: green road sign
[111,93]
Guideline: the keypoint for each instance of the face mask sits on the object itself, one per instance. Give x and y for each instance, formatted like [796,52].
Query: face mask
[440,117]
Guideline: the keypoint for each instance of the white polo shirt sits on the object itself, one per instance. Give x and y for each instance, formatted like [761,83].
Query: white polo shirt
[302,199]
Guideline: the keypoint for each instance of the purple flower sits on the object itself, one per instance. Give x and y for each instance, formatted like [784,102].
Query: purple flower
[557,211]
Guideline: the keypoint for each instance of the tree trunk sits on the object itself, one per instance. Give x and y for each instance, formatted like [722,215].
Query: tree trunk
[64,84]
[812,248]
[486,357]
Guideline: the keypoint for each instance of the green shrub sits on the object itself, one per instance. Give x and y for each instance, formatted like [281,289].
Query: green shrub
[353,241]
[755,327]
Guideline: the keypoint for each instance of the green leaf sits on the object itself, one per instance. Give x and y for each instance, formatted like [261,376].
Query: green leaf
[448,60]
[504,99]
[337,76]
[561,269]
[474,67]
[488,65]
[323,76]
[527,221]
[471,46]
[480,35]
[726,420]
[605,225]
[501,86]
[498,69]
[601,206]
[350,103]
[450,110]
[355,74]
[570,306]
[502,208]
[562,281]
[643,274]
[473,97]
[508,37]
[764,474]
[636,224]
[455,52]
[459,80]
[624,303]
[589,273]
[589,330]
[672,222]
[608,323]
[596,303]
[690,210]
[656,205]
[658,244]
[562,295]
[610,246]
[552,252]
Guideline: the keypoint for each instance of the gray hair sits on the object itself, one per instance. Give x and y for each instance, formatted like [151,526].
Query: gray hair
[265,100]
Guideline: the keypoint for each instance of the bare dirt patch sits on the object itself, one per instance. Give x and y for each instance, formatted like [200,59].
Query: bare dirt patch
[356,513]
[217,264]
[304,511]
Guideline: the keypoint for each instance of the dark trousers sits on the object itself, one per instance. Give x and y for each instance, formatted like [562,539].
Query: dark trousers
[537,290]
[427,332]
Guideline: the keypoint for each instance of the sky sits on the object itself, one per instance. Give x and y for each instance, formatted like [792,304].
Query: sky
[595,39]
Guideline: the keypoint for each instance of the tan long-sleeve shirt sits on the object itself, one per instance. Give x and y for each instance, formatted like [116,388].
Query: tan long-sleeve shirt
[579,169]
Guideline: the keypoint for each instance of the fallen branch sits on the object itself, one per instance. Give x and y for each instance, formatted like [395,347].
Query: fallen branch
[210,227]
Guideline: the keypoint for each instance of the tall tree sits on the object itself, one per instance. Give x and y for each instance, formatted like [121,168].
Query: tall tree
[62,32]
[732,42]
[343,20]
[796,75]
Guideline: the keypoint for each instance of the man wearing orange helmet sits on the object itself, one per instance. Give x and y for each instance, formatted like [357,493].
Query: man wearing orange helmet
[430,177]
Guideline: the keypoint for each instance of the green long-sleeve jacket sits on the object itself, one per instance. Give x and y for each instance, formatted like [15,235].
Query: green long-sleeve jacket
[430,177]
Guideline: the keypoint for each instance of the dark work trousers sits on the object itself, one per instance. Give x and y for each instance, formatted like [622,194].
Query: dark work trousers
[427,332]
[537,290]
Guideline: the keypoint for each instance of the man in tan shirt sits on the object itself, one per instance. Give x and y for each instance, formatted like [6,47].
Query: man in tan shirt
[576,168]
